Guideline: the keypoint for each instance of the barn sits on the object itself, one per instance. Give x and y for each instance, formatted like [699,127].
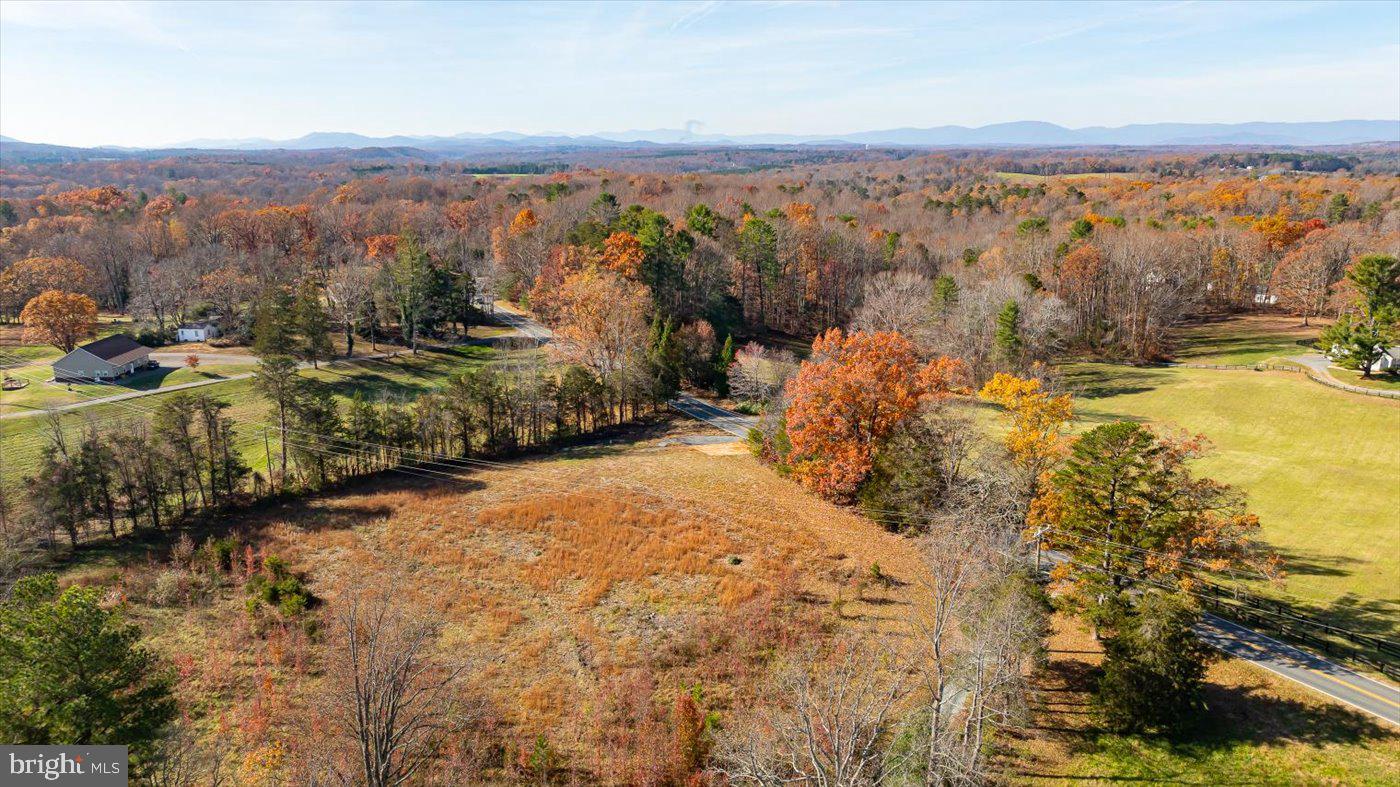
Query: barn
[104,359]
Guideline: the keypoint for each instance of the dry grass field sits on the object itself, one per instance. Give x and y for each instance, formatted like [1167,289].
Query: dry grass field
[587,590]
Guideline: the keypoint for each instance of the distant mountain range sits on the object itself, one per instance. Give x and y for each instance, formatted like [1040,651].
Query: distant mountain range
[1023,133]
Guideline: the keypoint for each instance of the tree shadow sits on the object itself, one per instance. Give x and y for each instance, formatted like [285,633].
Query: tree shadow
[1250,714]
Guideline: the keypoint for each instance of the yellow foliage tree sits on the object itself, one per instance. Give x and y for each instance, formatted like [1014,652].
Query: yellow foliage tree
[59,318]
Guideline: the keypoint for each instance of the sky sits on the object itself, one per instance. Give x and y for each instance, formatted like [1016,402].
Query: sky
[151,74]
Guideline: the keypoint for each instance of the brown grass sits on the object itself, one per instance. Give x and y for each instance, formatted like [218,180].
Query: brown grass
[588,590]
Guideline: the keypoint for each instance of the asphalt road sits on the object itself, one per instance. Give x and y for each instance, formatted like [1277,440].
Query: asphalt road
[718,417]
[1381,700]
[524,324]
[1377,698]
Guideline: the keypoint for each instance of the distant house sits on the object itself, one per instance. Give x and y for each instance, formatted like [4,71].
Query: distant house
[104,359]
[1388,362]
[196,332]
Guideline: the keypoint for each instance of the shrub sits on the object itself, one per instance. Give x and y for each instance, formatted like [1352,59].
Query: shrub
[276,586]
[171,586]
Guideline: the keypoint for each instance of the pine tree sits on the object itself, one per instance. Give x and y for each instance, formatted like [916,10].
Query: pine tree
[1008,335]
[726,357]
[945,294]
[71,671]
[274,324]
[313,324]
[1153,668]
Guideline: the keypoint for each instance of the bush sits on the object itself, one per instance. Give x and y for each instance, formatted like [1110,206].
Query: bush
[276,586]
[217,554]
[171,586]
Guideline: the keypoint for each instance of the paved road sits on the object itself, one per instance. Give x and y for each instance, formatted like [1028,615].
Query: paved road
[1379,699]
[524,324]
[1372,696]
[718,417]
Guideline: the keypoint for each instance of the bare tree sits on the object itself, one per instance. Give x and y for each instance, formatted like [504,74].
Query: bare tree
[977,625]
[349,290]
[388,697]
[758,374]
[896,301]
[827,724]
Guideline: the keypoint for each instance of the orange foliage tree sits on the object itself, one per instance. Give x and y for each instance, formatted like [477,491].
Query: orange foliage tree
[59,318]
[523,222]
[623,253]
[381,247]
[24,280]
[850,397]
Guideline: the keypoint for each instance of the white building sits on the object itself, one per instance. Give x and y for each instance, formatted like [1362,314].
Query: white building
[196,332]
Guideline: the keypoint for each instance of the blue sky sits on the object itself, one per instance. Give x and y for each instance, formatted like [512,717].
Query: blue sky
[149,74]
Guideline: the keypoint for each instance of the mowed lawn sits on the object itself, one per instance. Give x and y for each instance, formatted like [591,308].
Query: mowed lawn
[401,378]
[1319,466]
[1247,340]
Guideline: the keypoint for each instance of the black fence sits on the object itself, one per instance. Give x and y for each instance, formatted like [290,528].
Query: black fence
[1271,615]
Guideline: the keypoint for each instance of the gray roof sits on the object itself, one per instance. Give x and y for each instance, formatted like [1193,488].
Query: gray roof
[117,348]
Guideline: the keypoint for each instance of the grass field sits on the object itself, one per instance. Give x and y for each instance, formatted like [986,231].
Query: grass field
[1318,464]
[1246,340]
[405,376]
[586,588]
[40,394]
[1261,729]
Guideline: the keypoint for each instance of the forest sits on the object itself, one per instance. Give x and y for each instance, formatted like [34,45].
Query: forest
[904,328]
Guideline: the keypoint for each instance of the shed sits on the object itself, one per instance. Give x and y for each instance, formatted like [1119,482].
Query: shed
[104,359]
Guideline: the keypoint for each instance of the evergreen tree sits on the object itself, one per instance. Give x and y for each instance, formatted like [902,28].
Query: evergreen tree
[313,324]
[274,324]
[277,380]
[1359,339]
[1008,335]
[71,671]
[945,294]
[408,276]
[726,357]
[1153,667]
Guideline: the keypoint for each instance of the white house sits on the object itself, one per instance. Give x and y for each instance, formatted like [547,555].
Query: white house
[196,332]
[104,359]
[1388,362]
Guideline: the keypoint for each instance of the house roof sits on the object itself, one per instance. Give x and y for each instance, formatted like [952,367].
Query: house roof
[116,349]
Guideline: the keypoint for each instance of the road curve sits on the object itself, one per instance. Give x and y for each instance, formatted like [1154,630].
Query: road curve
[1368,695]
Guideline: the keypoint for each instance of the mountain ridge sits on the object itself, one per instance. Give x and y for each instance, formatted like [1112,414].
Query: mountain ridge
[1016,133]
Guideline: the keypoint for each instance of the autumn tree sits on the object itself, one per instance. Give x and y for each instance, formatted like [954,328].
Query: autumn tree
[1303,279]
[849,397]
[623,254]
[59,318]
[28,278]
[603,327]
[1035,440]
